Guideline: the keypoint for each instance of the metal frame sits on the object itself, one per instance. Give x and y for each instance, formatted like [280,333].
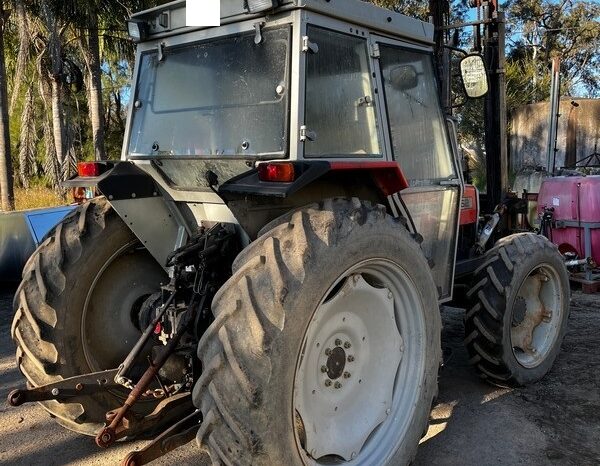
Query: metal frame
[587,229]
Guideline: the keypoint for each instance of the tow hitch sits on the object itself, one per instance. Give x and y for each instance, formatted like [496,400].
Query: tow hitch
[170,322]
[67,390]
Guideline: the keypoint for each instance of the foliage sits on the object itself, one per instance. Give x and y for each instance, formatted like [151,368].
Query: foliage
[415,8]
[541,30]
[36,197]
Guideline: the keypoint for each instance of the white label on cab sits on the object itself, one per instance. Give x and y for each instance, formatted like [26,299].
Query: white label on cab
[556,202]
[203,13]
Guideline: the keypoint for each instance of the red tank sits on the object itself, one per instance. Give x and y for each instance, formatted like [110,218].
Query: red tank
[576,203]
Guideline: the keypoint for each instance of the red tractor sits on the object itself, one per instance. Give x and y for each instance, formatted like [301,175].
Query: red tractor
[265,268]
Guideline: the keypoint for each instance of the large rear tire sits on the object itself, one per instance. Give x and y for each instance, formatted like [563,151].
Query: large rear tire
[74,308]
[519,308]
[334,308]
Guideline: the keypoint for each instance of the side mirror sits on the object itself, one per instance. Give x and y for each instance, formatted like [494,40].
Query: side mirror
[404,77]
[474,76]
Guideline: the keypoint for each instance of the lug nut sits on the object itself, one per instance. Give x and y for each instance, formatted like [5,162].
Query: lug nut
[338,385]
[347,345]
[79,387]
[350,358]
[338,342]
[323,369]
[55,392]
[328,383]
[347,375]
[328,352]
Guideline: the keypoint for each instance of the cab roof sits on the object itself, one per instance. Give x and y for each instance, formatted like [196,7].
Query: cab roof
[170,19]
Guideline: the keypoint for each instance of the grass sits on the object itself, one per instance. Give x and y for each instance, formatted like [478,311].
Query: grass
[37,197]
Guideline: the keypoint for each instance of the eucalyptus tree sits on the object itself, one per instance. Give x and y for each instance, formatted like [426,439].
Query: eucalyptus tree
[541,30]
[7,201]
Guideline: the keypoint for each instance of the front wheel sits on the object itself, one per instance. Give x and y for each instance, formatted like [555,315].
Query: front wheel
[325,346]
[519,310]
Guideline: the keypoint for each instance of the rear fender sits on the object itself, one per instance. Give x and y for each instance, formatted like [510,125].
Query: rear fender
[137,199]
[255,202]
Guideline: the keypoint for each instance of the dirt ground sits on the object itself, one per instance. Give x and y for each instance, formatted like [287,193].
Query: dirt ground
[555,422]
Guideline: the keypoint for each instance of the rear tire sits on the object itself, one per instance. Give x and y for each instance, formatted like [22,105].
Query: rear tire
[263,314]
[53,339]
[504,316]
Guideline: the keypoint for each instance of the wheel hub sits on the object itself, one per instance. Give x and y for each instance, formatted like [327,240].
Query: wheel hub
[336,362]
[536,317]
[110,317]
[345,384]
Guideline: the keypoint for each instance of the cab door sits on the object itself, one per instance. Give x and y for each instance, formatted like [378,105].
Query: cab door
[417,137]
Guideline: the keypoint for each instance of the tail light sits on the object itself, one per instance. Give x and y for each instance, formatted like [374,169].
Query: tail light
[276,172]
[89,169]
[469,210]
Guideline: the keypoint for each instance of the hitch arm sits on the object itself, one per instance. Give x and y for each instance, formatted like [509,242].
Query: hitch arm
[175,436]
[67,389]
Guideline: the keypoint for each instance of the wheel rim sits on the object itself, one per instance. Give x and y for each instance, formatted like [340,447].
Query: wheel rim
[108,328]
[361,367]
[537,316]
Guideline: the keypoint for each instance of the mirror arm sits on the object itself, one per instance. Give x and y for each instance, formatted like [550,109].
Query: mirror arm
[457,49]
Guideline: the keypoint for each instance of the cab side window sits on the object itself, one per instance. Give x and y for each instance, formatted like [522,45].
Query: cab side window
[417,125]
[340,108]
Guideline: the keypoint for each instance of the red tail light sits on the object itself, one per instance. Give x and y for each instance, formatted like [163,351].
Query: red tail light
[276,172]
[88,169]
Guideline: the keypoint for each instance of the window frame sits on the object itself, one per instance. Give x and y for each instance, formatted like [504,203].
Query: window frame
[383,103]
[353,30]
[206,35]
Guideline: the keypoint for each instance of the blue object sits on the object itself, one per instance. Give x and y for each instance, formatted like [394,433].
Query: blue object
[42,221]
[20,234]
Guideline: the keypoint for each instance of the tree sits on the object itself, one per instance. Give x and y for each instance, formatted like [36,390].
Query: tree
[415,8]
[90,49]
[7,198]
[542,30]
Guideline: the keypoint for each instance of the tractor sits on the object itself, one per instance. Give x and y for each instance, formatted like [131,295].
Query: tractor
[264,268]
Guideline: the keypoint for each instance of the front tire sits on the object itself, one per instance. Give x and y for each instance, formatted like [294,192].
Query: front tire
[519,309]
[342,287]
[74,308]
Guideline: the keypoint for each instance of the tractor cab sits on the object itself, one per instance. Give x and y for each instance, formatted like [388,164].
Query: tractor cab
[305,83]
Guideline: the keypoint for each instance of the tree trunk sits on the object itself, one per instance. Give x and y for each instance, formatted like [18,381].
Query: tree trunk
[58,125]
[7,198]
[95,87]
[55,49]
[23,54]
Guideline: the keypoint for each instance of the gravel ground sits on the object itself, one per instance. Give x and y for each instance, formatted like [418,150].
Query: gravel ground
[555,422]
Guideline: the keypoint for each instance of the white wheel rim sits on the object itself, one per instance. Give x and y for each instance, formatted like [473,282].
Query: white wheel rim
[361,368]
[537,316]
